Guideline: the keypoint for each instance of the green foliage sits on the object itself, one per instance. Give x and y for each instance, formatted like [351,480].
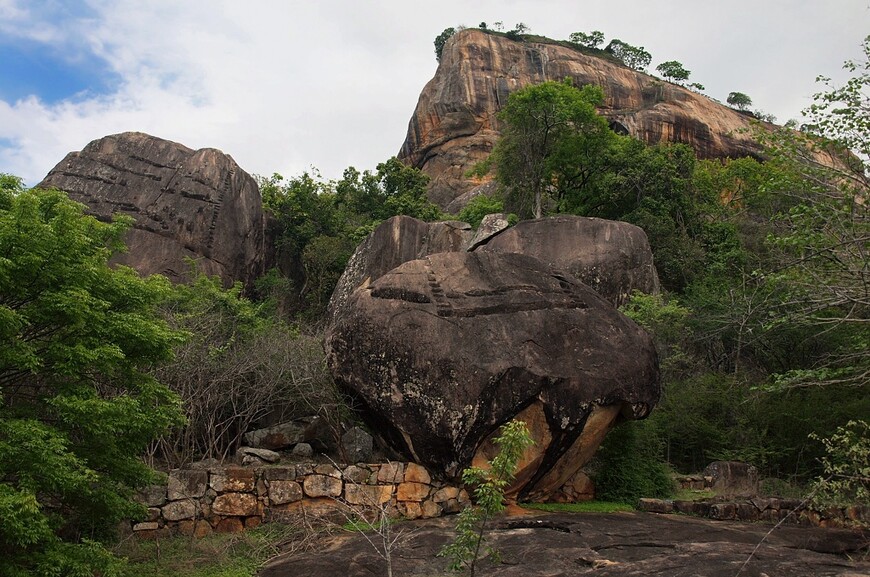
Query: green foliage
[739,100]
[627,466]
[592,40]
[218,555]
[478,207]
[673,71]
[846,466]
[547,128]
[632,56]
[442,39]
[489,487]
[316,225]
[79,406]
[238,364]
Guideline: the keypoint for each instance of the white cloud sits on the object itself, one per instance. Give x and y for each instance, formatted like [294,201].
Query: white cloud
[281,85]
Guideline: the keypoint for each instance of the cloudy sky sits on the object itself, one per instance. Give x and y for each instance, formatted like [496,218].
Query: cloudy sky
[283,85]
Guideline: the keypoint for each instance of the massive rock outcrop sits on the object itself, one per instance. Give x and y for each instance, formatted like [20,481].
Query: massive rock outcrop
[440,348]
[443,350]
[195,204]
[455,125]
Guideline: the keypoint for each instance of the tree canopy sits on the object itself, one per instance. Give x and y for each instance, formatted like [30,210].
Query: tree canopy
[632,56]
[593,39]
[673,71]
[739,100]
[79,406]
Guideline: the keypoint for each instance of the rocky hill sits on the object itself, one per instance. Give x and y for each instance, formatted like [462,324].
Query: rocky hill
[454,125]
[187,204]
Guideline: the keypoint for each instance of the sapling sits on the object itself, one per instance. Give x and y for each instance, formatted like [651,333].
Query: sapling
[489,487]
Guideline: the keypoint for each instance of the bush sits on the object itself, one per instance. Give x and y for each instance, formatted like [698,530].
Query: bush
[627,465]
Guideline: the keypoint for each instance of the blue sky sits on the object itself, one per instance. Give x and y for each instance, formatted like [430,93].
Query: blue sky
[283,85]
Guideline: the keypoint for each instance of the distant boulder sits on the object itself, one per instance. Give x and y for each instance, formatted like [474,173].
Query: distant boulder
[440,351]
[187,204]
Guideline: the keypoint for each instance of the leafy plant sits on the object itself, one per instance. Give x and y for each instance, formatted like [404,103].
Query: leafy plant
[846,464]
[490,485]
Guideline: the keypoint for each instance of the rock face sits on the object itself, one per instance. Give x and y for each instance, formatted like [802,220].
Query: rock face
[454,125]
[443,350]
[195,204]
[395,241]
[613,258]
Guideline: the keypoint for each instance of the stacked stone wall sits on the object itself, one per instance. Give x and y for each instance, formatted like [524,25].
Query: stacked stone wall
[230,499]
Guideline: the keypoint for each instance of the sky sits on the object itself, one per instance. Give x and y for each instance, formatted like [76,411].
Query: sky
[287,85]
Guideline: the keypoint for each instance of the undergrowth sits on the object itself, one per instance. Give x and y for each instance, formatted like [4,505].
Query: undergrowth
[218,555]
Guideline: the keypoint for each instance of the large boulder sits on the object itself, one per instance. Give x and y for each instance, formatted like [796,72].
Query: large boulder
[187,204]
[441,351]
[614,258]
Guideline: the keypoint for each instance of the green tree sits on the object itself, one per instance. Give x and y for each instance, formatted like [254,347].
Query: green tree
[592,40]
[739,100]
[78,404]
[441,40]
[632,56]
[551,145]
[673,71]
[489,489]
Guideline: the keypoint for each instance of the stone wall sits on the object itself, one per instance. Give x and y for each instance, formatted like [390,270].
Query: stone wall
[230,499]
[764,509]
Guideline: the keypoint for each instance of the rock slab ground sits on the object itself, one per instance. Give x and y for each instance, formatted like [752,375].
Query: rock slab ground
[604,545]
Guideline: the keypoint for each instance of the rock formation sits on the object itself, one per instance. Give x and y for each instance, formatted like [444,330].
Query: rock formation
[187,204]
[613,258]
[454,124]
[442,350]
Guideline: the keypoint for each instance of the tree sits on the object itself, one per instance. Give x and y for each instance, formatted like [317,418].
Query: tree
[632,56]
[592,40]
[673,71]
[697,87]
[441,40]
[78,404]
[489,488]
[739,100]
[551,145]
[482,26]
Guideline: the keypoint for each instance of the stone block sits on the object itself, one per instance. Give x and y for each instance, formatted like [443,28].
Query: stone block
[412,492]
[357,445]
[415,473]
[264,455]
[152,514]
[302,450]
[152,496]
[196,529]
[187,483]
[410,510]
[279,473]
[281,492]
[230,525]
[431,509]
[355,474]
[656,505]
[322,486]
[723,511]
[367,495]
[252,522]
[329,470]
[232,479]
[235,505]
[444,494]
[146,526]
[178,510]
[391,473]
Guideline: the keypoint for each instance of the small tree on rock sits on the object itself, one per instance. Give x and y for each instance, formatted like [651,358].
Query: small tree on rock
[739,100]
[632,56]
[441,40]
[592,40]
[673,71]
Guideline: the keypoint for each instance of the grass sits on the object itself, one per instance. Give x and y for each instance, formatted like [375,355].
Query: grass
[583,507]
[693,494]
[218,555]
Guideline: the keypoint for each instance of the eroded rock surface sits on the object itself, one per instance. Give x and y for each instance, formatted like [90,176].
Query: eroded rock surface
[604,545]
[195,204]
[454,124]
[442,350]
[614,258]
